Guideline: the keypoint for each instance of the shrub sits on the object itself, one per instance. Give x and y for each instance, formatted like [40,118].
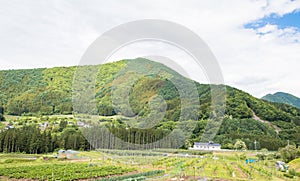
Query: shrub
[288,175]
[288,153]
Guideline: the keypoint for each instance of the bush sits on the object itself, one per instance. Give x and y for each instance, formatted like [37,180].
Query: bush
[261,156]
[240,145]
[293,172]
[288,175]
[288,153]
[274,156]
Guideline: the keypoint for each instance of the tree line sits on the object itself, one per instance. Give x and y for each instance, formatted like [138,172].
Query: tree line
[103,137]
[32,140]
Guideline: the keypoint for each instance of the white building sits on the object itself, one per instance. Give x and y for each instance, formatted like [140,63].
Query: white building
[206,146]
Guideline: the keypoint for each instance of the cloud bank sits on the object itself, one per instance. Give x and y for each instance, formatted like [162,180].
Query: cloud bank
[257,60]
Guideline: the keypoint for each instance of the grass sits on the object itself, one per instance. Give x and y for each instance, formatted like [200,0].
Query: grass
[295,164]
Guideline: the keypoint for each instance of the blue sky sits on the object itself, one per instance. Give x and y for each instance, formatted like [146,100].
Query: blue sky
[289,20]
[259,60]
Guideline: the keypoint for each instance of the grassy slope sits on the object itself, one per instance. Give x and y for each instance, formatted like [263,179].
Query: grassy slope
[295,164]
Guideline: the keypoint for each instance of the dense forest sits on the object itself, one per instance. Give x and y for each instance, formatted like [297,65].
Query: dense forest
[113,134]
[38,92]
[30,139]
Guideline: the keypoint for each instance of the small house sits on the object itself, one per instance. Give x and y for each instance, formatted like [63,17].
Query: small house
[206,146]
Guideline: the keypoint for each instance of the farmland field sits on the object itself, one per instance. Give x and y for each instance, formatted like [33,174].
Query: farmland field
[154,165]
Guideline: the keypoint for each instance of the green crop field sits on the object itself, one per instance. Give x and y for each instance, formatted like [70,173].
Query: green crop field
[111,165]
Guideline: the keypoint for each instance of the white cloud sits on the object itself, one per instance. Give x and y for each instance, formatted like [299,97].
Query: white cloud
[281,7]
[268,28]
[56,33]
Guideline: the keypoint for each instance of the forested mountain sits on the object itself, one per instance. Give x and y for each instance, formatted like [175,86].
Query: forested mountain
[49,91]
[281,97]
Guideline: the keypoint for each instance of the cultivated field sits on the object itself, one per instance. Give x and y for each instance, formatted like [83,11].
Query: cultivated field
[140,165]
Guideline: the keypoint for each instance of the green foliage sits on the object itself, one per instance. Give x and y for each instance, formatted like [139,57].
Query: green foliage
[139,176]
[62,125]
[284,125]
[245,126]
[2,118]
[240,145]
[118,137]
[31,91]
[64,172]
[17,160]
[248,130]
[49,91]
[289,153]
[261,156]
[288,175]
[16,82]
[282,97]
[30,139]
[236,106]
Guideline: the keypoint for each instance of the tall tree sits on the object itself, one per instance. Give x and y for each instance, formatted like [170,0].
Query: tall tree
[2,114]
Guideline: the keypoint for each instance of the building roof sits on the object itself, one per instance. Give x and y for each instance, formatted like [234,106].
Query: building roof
[72,152]
[207,144]
[68,151]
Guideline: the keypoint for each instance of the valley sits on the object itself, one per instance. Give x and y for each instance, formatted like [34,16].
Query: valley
[150,139]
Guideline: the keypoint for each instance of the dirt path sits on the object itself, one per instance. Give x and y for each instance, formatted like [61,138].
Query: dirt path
[239,172]
[277,129]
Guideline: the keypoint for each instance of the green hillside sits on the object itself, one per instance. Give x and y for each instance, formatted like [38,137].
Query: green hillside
[281,97]
[49,91]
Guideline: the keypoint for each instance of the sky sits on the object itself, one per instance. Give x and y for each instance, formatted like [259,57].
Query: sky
[256,42]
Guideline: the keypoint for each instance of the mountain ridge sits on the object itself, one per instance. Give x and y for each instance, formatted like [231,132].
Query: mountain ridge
[48,91]
[282,97]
